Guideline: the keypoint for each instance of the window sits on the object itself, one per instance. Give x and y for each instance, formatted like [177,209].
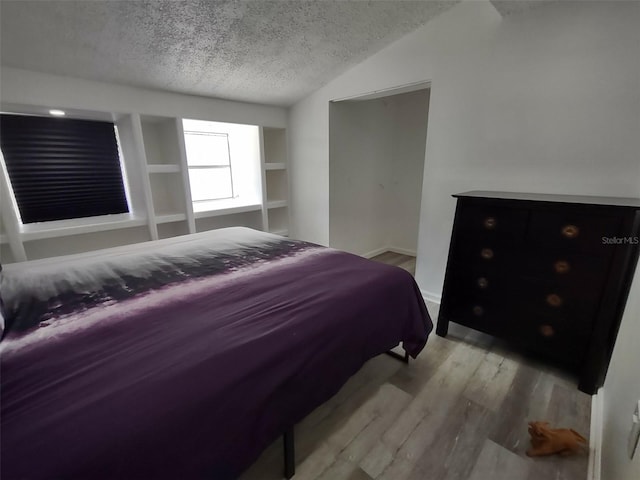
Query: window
[224,164]
[62,168]
[209,165]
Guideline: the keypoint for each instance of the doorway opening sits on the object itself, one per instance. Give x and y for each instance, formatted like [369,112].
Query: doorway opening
[377,148]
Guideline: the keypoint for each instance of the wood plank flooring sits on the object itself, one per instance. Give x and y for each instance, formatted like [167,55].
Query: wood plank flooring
[403,261]
[458,412]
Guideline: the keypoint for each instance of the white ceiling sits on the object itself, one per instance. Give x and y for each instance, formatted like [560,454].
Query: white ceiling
[265,51]
[273,52]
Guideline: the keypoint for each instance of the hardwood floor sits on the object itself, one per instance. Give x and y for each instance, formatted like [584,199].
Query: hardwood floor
[459,411]
[403,261]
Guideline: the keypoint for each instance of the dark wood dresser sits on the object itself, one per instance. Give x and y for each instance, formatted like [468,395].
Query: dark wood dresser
[548,273]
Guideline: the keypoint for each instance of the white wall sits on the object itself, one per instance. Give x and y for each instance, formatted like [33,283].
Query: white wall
[407,169]
[547,101]
[359,149]
[375,172]
[620,393]
[24,87]
[309,169]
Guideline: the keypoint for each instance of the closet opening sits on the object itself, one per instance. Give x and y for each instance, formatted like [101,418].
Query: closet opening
[377,145]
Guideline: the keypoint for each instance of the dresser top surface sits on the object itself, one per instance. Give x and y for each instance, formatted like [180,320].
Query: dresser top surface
[544,197]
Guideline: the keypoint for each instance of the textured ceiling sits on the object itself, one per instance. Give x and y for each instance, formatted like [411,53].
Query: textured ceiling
[513,7]
[273,52]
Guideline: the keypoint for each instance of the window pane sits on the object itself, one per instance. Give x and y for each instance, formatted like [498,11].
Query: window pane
[207,148]
[210,183]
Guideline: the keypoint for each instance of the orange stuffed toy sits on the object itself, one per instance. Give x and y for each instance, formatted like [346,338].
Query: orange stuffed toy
[547,441]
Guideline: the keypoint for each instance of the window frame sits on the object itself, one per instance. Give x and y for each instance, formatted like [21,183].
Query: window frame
[212,167]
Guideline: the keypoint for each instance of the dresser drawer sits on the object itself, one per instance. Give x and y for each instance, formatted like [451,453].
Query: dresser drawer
[551,320]
[481,258]
[478,313]
[574,273]
[491,224]
[553,339]
[547,300]
[560,332]
[571,231]
[475,290]
[479,283]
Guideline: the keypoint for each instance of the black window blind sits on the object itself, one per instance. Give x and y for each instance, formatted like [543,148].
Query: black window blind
[62,168]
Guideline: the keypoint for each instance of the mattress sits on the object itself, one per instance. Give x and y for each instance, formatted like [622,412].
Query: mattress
[184,358]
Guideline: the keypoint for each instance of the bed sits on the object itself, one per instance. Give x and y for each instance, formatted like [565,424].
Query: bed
[185,357]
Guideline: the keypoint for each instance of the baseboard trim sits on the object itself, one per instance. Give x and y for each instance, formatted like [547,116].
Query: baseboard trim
[375,253]
[595,436]
[378,251]
[431,297]
[403,251]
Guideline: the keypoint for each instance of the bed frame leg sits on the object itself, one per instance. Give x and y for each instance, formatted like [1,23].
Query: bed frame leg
[403,358]
[289,454]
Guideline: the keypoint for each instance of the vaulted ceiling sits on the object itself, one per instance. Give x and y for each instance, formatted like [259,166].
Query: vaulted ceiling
[273,52]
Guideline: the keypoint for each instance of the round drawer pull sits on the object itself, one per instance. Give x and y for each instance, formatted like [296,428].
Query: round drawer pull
[486,253]
[554,300]
[482,282]
[570,231]
[547,331]
[478,311]
[490,223]
[562,266]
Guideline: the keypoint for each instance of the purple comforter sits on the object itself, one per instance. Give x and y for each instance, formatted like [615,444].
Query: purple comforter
[185,358]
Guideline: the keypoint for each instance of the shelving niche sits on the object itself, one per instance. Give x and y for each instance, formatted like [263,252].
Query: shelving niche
[251,219]
[279,221]
[168,196]
[161,143]
[166,167]
[172,229]
[275,181]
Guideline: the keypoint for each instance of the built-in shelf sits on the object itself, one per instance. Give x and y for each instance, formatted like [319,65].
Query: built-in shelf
[275,185]
[275,166]
[42,231]
[155,160]
[172,229]
[170,217]
[167,193]
[166,183]
[275,144]
[250,219]
[228,211]
[276,204]
[160,137]
[278,220]
[163,168]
